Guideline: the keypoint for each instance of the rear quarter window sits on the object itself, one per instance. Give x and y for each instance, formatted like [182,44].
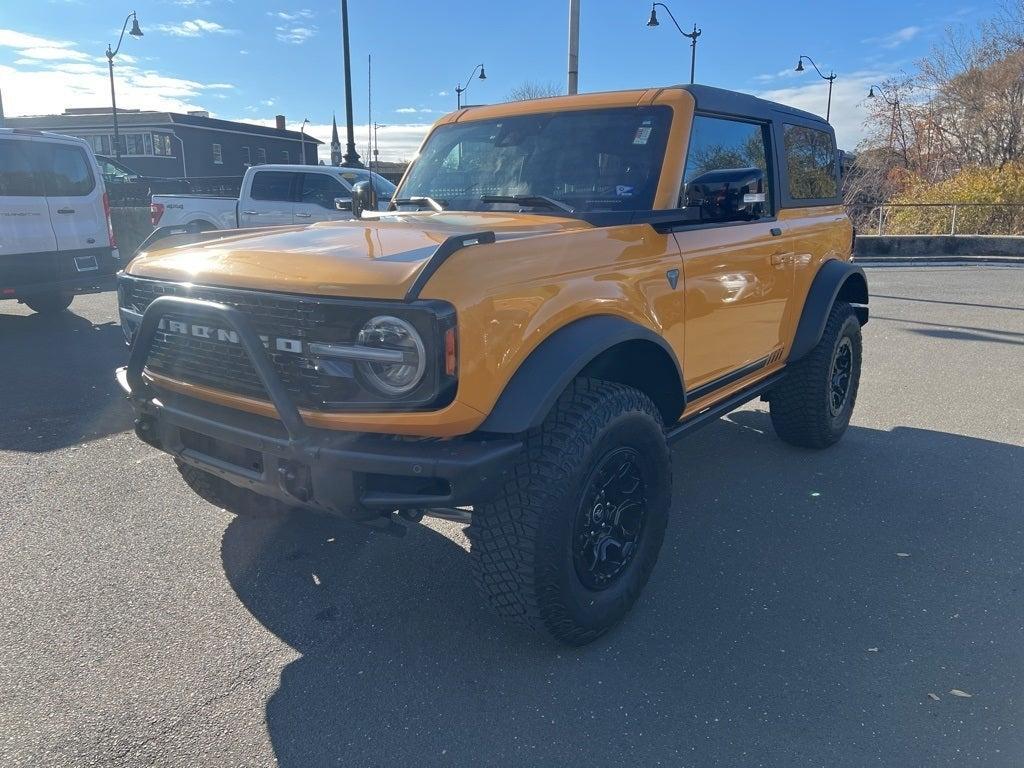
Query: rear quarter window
[810,162]
[272,185]
[18,176]
[67,171]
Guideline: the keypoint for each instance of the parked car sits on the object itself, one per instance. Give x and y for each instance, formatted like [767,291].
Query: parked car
[271,195]
[114,171]
[55,234]
[564,287]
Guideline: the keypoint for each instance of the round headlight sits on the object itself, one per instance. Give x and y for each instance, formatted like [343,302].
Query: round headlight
[391,333]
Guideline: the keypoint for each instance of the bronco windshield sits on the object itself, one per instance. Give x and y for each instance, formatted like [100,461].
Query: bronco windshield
[587,160]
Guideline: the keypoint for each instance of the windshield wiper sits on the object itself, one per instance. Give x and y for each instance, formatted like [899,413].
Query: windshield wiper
[537,201]
[420,202]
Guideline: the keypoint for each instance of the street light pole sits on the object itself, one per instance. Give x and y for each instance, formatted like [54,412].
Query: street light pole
[653,22]
[111,53]
[895,104]
[831,76]
[351,156]
[460,89]
[302,134]
[573,79]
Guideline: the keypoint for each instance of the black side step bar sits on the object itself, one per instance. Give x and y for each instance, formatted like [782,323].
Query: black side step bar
[716,411]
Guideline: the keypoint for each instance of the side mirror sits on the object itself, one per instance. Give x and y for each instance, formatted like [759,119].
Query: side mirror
[364,197]
[343,203]
[728,194]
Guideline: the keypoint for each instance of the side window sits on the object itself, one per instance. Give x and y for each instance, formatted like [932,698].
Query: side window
[321,189]
[284,157]
[384,188]
[218,157]
[261,156]
[272,185]
[246,156]
[17,176]
[68,172]
[727,175]
[810,162]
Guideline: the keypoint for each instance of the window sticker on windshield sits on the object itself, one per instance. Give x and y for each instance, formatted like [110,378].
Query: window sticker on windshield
[643,133]
[624,190]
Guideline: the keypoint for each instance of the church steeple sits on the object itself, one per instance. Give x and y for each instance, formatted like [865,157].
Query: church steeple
[335,142]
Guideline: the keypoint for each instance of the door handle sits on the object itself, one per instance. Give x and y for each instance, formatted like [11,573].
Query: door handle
[303,215]
[65,210]
[776,231]
[250,213]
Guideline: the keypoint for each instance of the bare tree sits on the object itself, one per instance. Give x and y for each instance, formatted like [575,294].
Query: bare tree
[963,108]
[533,90]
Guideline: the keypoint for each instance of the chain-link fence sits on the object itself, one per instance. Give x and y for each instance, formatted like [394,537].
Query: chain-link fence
[945,219]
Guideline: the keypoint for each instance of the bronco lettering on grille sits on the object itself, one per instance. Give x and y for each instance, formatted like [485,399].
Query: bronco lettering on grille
[220,334]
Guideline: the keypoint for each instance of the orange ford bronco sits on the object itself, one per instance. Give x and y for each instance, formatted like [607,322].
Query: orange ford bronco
[558,289]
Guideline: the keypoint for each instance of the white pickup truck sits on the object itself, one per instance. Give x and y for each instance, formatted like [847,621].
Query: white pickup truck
[271,195]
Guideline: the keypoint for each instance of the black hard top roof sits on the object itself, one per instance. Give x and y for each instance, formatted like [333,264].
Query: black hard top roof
[726,102]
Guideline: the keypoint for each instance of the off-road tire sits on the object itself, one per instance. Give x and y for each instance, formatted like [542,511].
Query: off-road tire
[49,303]
[521,541]
[223,494]
[799,405]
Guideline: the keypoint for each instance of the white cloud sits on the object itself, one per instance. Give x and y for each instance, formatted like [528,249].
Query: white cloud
[848,94]
[294,35]
[10,38]
[52,54]
[36,87]
[442,93]
[414,111]
[894,39]
[194,28]
[395,142]
[31,48]
[305,13]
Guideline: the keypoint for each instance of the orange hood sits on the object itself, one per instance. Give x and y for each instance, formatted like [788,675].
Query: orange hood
[376,258]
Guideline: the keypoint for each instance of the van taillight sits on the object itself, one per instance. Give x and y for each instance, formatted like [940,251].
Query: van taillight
[156,212]
[110,224]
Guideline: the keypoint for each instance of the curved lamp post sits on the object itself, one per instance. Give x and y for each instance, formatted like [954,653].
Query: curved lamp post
[653,22]
[111,53]
[302,134]
[460,89]
[894,102]
[831,76]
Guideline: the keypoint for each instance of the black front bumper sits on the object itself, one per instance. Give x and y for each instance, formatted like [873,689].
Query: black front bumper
[353,474]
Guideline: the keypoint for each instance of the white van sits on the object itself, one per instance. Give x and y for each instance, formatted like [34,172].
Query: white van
[55,234]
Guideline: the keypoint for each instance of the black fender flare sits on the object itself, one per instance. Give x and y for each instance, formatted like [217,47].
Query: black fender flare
[834,278]
[556,361]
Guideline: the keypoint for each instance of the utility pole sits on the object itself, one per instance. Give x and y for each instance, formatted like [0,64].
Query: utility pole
[1,109]
[351,156]
[574,47]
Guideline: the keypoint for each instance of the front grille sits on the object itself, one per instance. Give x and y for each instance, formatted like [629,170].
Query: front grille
[224,365]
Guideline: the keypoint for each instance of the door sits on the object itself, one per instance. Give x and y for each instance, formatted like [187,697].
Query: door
[317,193]
[737,267]
[269,201]
[24,215]
[74,198]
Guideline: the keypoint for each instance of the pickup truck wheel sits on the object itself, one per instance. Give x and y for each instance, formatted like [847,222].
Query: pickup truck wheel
[49,303]
[571,540]
[812,406]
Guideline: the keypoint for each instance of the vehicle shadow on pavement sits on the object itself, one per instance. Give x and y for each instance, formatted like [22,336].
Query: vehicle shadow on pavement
[804,607]
[58,387]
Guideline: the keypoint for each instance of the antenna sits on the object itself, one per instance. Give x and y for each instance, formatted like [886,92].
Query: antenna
[369,109]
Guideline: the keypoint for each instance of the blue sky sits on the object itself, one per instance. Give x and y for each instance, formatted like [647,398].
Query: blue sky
[252,59]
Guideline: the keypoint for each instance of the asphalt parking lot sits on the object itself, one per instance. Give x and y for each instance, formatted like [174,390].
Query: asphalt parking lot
[806,608]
